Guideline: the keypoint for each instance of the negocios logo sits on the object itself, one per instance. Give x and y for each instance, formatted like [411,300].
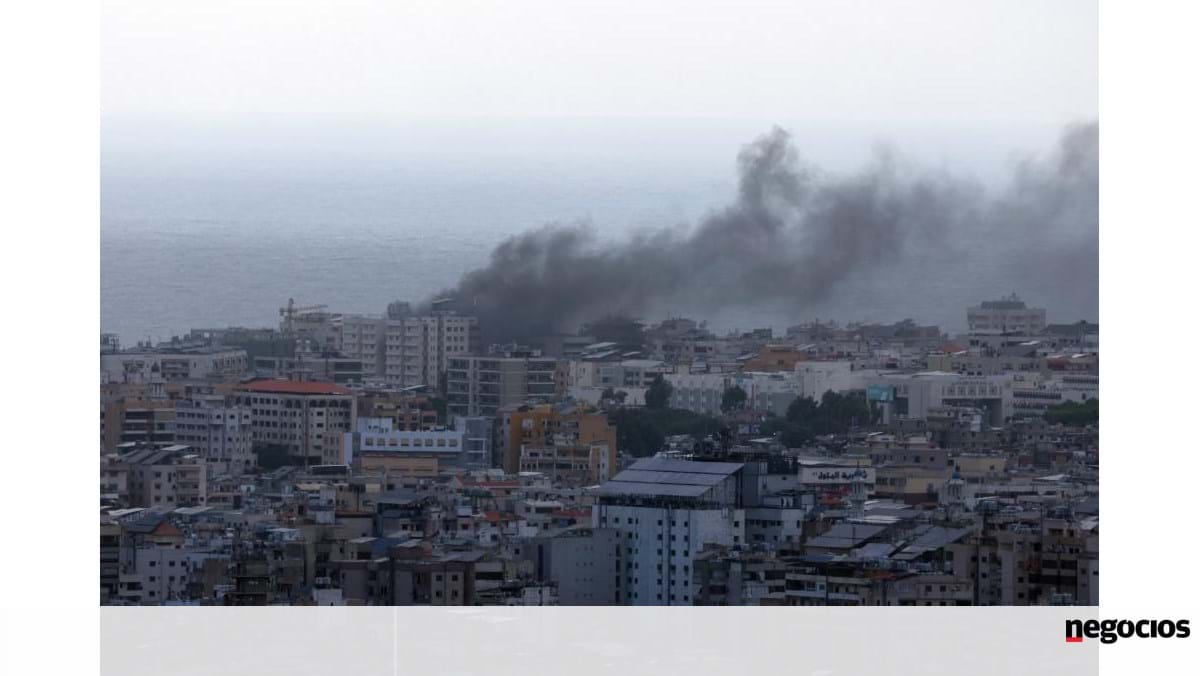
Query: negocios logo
[1109,631]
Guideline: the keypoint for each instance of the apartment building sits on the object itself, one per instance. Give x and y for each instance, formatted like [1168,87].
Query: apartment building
[1007,315]
[481,386]
[170,364]
[136,421]
[167,476]
[585,564]
[915,395]
[361,337]
[575,445]
[418,349]
[666,512]
[703,392]
[406,410]
[305,420]
[327,367]
[218,431]
[376,439]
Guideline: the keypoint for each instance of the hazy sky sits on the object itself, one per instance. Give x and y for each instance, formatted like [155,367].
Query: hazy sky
[626,113]
[953,60]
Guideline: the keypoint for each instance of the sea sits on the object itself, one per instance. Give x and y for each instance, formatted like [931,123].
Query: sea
[228,239]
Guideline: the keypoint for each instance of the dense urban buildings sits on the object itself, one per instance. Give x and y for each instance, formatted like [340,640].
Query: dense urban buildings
[345,459]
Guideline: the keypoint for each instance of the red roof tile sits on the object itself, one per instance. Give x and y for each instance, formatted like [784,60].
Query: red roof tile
[294,387]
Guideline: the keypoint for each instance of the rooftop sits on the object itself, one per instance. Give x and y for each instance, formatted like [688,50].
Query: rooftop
[293,387]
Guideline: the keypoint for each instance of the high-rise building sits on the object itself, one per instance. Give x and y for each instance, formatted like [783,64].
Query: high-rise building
[478,386]
[361,337]
[666,512]
[417,349]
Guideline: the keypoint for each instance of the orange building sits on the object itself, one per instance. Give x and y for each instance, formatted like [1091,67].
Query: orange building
[773,358]
[542,428]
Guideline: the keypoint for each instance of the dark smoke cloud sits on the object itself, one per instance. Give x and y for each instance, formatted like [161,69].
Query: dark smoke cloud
[794,235]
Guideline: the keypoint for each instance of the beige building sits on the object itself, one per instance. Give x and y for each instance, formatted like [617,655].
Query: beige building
[305,420]
[565,441]
[406,411]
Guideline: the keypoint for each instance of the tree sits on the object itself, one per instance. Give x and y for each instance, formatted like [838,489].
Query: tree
[801,409]
[1074,414]
[642,431]
[733,398]
[835,414]
[791,435]
[658,395]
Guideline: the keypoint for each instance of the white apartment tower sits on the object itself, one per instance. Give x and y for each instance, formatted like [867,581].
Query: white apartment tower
[417,348]
[666,511]
[361,338]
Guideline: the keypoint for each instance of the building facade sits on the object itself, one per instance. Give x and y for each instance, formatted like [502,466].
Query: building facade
[305,420]
[1007,315]
[481,386]
[218,431]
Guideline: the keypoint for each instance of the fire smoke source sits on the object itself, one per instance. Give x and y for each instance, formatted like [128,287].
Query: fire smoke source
[794,235]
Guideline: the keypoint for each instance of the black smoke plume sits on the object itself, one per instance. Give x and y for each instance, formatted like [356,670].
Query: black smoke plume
[795,234]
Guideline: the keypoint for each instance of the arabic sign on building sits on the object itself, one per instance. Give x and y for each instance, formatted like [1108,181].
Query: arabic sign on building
[815,476]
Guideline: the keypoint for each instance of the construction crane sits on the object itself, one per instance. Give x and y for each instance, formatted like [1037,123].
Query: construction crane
[289,313]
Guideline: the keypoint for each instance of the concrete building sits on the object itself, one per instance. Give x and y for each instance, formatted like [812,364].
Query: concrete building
[456,446]
[326,367]
[481,386]
[703,392]
[136,421]
[818,377]
[913,395]
[168,476]
[418,349]
[772,358]
[305,420]
[406,409]
[362,337]
[546,437]
[169,364]
[667,511]
[585,564]
[1007,315]
[218,431]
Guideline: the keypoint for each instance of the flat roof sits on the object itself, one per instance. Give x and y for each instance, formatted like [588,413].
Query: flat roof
[688,466]
[294,387]
[616,487]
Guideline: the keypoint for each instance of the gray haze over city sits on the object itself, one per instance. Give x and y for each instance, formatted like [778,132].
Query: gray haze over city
[772,237]
[249,157]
